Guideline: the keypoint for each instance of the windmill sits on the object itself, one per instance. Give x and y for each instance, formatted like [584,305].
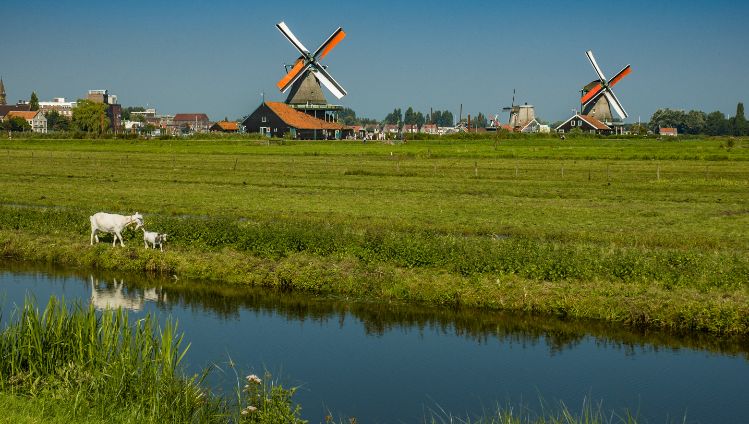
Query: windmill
[510,108]
[598,99]
[307,73]
[520,115]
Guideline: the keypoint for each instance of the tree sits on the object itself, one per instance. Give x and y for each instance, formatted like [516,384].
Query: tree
[15,123]
[125,115]
[693,122]
[739,124]
[394,118]
[716,124]
[441,118]
[410,116]
[34,101]
[347,116]
[57,122]
[90,117]
[420,119]
[480,121]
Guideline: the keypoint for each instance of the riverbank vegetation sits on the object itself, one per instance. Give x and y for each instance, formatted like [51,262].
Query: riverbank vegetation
[70,363]
[641,232]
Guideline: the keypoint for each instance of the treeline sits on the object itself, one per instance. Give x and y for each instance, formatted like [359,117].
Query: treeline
[698,122]
[441,118]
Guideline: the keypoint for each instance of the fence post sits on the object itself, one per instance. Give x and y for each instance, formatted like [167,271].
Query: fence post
[475,169]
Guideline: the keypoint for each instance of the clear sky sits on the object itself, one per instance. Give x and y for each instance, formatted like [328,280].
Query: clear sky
[218,56]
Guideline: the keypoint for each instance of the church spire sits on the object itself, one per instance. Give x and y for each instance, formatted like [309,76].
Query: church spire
[2,92]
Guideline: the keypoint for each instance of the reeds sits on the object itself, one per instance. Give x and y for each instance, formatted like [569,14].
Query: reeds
[100,362]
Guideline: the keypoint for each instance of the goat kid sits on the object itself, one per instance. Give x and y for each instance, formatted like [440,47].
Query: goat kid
[154,239]
[103,222]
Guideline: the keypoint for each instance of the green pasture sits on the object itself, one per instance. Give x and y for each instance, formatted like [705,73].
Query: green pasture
[640,231]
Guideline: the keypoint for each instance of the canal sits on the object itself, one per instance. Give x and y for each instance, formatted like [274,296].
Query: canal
[391,363]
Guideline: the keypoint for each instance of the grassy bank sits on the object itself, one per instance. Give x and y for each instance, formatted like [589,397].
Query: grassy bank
[644,233]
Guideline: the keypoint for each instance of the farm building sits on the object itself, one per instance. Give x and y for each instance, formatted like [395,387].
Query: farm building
[225,126]
[671,132]
[584,123]
[278,119]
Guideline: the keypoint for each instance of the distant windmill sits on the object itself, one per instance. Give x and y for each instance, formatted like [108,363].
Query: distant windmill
[520,115]
[511,107]
[597,98]
[307,73]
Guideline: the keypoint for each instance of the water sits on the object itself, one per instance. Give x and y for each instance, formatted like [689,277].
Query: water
[384,363]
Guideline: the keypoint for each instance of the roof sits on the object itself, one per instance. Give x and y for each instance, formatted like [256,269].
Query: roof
[191,117]
[595,123]
[23,114]
[300,120]
[4,109]
[667,130]
[227,125]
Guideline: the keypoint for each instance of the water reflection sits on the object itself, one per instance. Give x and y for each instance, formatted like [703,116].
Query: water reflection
[111,290]
[117,294]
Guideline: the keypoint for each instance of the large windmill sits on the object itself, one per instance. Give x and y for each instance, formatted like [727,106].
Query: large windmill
[304,79]
[597,98]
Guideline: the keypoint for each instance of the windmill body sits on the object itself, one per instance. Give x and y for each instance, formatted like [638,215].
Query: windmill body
[600,109]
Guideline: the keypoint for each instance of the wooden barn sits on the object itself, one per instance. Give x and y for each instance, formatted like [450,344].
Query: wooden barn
[584,123]
[278,119]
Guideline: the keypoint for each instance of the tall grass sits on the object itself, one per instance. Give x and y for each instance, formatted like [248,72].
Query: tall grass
[100,365]
[101,362]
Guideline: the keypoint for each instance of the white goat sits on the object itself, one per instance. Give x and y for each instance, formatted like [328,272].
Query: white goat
[154,239]
[112,223]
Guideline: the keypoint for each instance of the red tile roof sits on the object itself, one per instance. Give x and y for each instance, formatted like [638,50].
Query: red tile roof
[23,114]
[192,117]
[300,120]
[595,122]
[228,126]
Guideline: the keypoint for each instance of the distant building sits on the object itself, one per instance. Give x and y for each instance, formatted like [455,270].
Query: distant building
[584,123]
[148,113]
[278,119]
[225,126]
[58,104]
[390,129]
[410,129]
[191,123]
[35,118]
[429,128]
[670,132]
[5,109]
[114,110]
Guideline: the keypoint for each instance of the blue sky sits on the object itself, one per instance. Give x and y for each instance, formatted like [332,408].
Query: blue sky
[218,56]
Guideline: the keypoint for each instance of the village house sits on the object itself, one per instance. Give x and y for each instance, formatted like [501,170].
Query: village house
[584,123]
[35,118]
[669,132]
[190,123]
[279,119]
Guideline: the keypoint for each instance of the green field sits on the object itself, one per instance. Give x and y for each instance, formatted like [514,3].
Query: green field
[642,232]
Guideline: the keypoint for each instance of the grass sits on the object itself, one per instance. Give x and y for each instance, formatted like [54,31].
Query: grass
[641,232]
[72,363]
